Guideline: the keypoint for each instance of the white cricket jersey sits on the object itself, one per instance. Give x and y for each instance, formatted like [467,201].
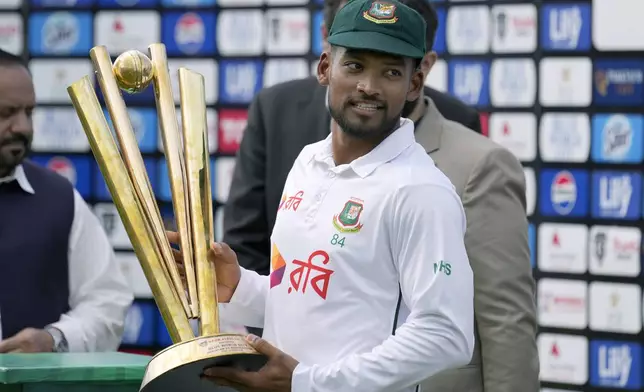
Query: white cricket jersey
[347,241]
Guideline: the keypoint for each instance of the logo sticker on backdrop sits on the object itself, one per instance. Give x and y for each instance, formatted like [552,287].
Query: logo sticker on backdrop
[77,169]
[51,77]
[564,137]
[469,81]
[514,28]
[614,251]
[563,358]
[240,80]
[60,33]
[232,123]
[288,31]
[123,31]
[468,30]
[58,130]
[564,192]
[565,27]
[11,33]
[189,33]
[517,132]
[617,138]
[562,248]
[612,307]
[562,303]
[617,195]
[565,82]
[282,70]
[240,32]
[618,82]
[513,83]
[615,364]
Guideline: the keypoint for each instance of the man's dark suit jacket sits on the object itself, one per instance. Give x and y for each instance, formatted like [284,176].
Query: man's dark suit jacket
[282,120]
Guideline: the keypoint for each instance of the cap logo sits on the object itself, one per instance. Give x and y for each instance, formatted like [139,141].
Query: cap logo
[381,12]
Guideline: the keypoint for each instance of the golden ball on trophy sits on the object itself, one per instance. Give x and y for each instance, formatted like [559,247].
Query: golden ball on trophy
[133,71]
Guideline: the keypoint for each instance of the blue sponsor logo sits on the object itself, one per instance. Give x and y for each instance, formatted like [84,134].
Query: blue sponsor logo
[318,40]
[616,195]
[144,124]
[615,365]
[60,33]
[62,3]
[469,81]
[617,138]
[439,40]
[565,27]
[102,193]
[191,33]
[563,193]
[127,3]
[188,3]
[239,81]
[618,82]
[77,169]
[532,239]
[140,323]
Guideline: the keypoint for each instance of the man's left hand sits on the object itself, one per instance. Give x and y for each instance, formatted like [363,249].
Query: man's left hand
[275,376]
[29,340]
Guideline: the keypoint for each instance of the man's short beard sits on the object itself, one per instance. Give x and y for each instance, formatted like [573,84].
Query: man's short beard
[361,133]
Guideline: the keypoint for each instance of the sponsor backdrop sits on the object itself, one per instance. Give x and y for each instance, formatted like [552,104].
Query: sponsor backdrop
[557,83]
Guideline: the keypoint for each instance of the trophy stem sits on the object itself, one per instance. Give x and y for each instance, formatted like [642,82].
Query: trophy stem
[135,165]
[197,158]
[129,207]
[176,165]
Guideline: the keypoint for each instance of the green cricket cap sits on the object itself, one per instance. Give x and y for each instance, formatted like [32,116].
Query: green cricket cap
[386,26]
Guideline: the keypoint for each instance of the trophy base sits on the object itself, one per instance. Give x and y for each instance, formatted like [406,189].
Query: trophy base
[179,367]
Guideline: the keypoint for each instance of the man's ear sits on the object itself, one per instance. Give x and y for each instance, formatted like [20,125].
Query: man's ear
[323,68]
[416,86]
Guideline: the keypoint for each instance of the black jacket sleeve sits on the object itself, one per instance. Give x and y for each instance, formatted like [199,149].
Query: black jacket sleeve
[245,223]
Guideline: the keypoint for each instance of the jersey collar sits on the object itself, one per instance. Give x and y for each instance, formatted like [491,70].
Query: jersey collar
[386,151]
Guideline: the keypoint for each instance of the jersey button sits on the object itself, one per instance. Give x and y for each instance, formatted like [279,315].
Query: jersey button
[331,174]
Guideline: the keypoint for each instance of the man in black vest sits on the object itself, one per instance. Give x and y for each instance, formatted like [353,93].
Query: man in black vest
[60,287]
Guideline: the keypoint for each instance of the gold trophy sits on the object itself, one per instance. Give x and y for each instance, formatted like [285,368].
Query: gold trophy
[179,366]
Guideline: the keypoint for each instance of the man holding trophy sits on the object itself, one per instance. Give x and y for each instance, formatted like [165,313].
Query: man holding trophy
[367,225]
[364,214]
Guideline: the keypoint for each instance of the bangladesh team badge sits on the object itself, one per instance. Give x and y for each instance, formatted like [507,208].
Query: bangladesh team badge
[348,220]
[381,12]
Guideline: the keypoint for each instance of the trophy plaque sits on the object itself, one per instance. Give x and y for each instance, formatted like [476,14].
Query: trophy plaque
[180,297]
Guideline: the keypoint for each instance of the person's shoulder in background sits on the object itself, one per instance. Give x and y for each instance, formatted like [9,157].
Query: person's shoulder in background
[454,109]
[289,92]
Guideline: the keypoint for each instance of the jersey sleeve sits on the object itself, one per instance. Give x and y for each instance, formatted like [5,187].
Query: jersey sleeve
[426,233]
[248,303]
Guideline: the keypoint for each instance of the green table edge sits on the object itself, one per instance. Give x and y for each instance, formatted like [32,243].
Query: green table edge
[72,367]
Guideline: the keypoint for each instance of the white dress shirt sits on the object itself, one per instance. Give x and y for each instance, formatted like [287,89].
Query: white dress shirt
[99,296]
[347,242]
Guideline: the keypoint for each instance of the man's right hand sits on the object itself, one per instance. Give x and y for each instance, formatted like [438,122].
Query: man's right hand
[226,266]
